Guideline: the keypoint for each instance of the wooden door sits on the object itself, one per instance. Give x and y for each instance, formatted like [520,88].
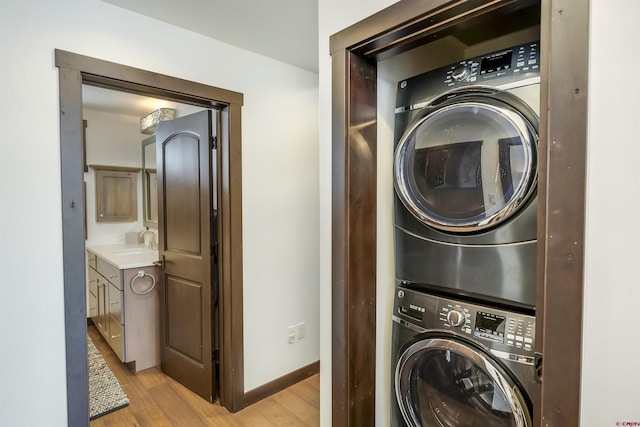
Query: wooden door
[186,188]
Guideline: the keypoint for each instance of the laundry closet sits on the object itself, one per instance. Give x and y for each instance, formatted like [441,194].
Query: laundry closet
[449,199]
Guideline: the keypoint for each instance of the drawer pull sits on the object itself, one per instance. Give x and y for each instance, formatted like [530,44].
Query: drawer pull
[113,337]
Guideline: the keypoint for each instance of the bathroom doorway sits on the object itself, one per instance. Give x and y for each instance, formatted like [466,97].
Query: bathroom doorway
[118,135]
[76,70]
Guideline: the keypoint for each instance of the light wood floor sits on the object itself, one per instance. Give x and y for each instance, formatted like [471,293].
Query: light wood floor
[157,400]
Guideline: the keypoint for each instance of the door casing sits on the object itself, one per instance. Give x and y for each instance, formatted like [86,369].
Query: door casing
[76,70]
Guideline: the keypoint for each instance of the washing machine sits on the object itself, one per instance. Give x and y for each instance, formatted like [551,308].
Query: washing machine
[458,364]
[465,175]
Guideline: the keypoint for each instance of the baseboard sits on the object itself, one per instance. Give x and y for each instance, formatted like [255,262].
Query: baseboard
[272,387]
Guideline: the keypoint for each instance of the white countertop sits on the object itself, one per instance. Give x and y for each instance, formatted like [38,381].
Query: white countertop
[125,256]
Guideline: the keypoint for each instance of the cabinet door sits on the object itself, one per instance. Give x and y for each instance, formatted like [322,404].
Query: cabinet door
[115,303]
[92,290]
[103,312]
[115,318]
[93,306]
[116,195]
[116,337]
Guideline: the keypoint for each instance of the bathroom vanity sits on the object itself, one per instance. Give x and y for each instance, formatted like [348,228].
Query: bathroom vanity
[123,301]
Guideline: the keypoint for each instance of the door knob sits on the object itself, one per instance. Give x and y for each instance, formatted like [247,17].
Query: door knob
[159,263]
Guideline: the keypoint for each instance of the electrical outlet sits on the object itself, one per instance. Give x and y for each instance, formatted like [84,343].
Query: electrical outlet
[300,330]
[291,334]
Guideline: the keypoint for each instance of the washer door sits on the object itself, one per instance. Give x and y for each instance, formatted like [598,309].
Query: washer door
[445,383]
[469,162]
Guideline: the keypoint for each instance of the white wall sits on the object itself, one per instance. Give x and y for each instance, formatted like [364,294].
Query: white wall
[610,373]
[280,181]
[111,140]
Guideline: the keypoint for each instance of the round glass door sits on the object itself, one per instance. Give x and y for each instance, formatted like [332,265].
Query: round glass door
[467,165]
[444,383]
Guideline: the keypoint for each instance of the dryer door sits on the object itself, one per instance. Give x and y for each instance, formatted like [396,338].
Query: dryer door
[469,161]
[446,383]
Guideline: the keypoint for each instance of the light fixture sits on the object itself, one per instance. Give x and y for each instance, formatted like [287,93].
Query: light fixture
[149,122]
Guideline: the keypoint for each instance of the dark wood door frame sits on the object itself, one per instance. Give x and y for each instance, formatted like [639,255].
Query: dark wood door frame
[76,70]
[563,140]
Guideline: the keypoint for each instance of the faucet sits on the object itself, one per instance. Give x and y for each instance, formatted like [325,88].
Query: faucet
[152,242]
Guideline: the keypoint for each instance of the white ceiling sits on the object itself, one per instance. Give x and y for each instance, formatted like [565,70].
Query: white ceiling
[128,104]
[285,30]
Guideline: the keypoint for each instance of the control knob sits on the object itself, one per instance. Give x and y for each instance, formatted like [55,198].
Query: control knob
[456,317]
[460,73]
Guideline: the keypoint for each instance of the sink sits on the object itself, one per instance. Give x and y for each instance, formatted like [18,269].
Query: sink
[132,251]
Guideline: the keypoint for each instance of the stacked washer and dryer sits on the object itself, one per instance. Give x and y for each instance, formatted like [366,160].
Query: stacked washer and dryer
[465,175]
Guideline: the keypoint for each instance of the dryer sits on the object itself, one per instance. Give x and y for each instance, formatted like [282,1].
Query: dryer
[465,175]
[457,364]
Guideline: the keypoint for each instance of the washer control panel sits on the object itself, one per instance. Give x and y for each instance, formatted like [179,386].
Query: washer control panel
[495,328]
[454,315]
[520,333]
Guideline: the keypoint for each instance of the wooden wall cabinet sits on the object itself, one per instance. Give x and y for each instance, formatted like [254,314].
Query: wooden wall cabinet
[116,193]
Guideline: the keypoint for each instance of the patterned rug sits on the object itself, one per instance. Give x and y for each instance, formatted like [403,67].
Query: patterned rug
[105,393]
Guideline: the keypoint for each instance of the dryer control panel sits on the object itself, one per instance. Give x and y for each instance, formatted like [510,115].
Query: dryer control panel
[516,61]
[499,69]
[502,331]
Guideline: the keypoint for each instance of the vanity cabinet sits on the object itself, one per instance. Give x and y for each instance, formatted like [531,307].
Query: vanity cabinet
[127,320]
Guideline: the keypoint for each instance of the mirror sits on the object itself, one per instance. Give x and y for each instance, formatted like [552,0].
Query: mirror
[149,182]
